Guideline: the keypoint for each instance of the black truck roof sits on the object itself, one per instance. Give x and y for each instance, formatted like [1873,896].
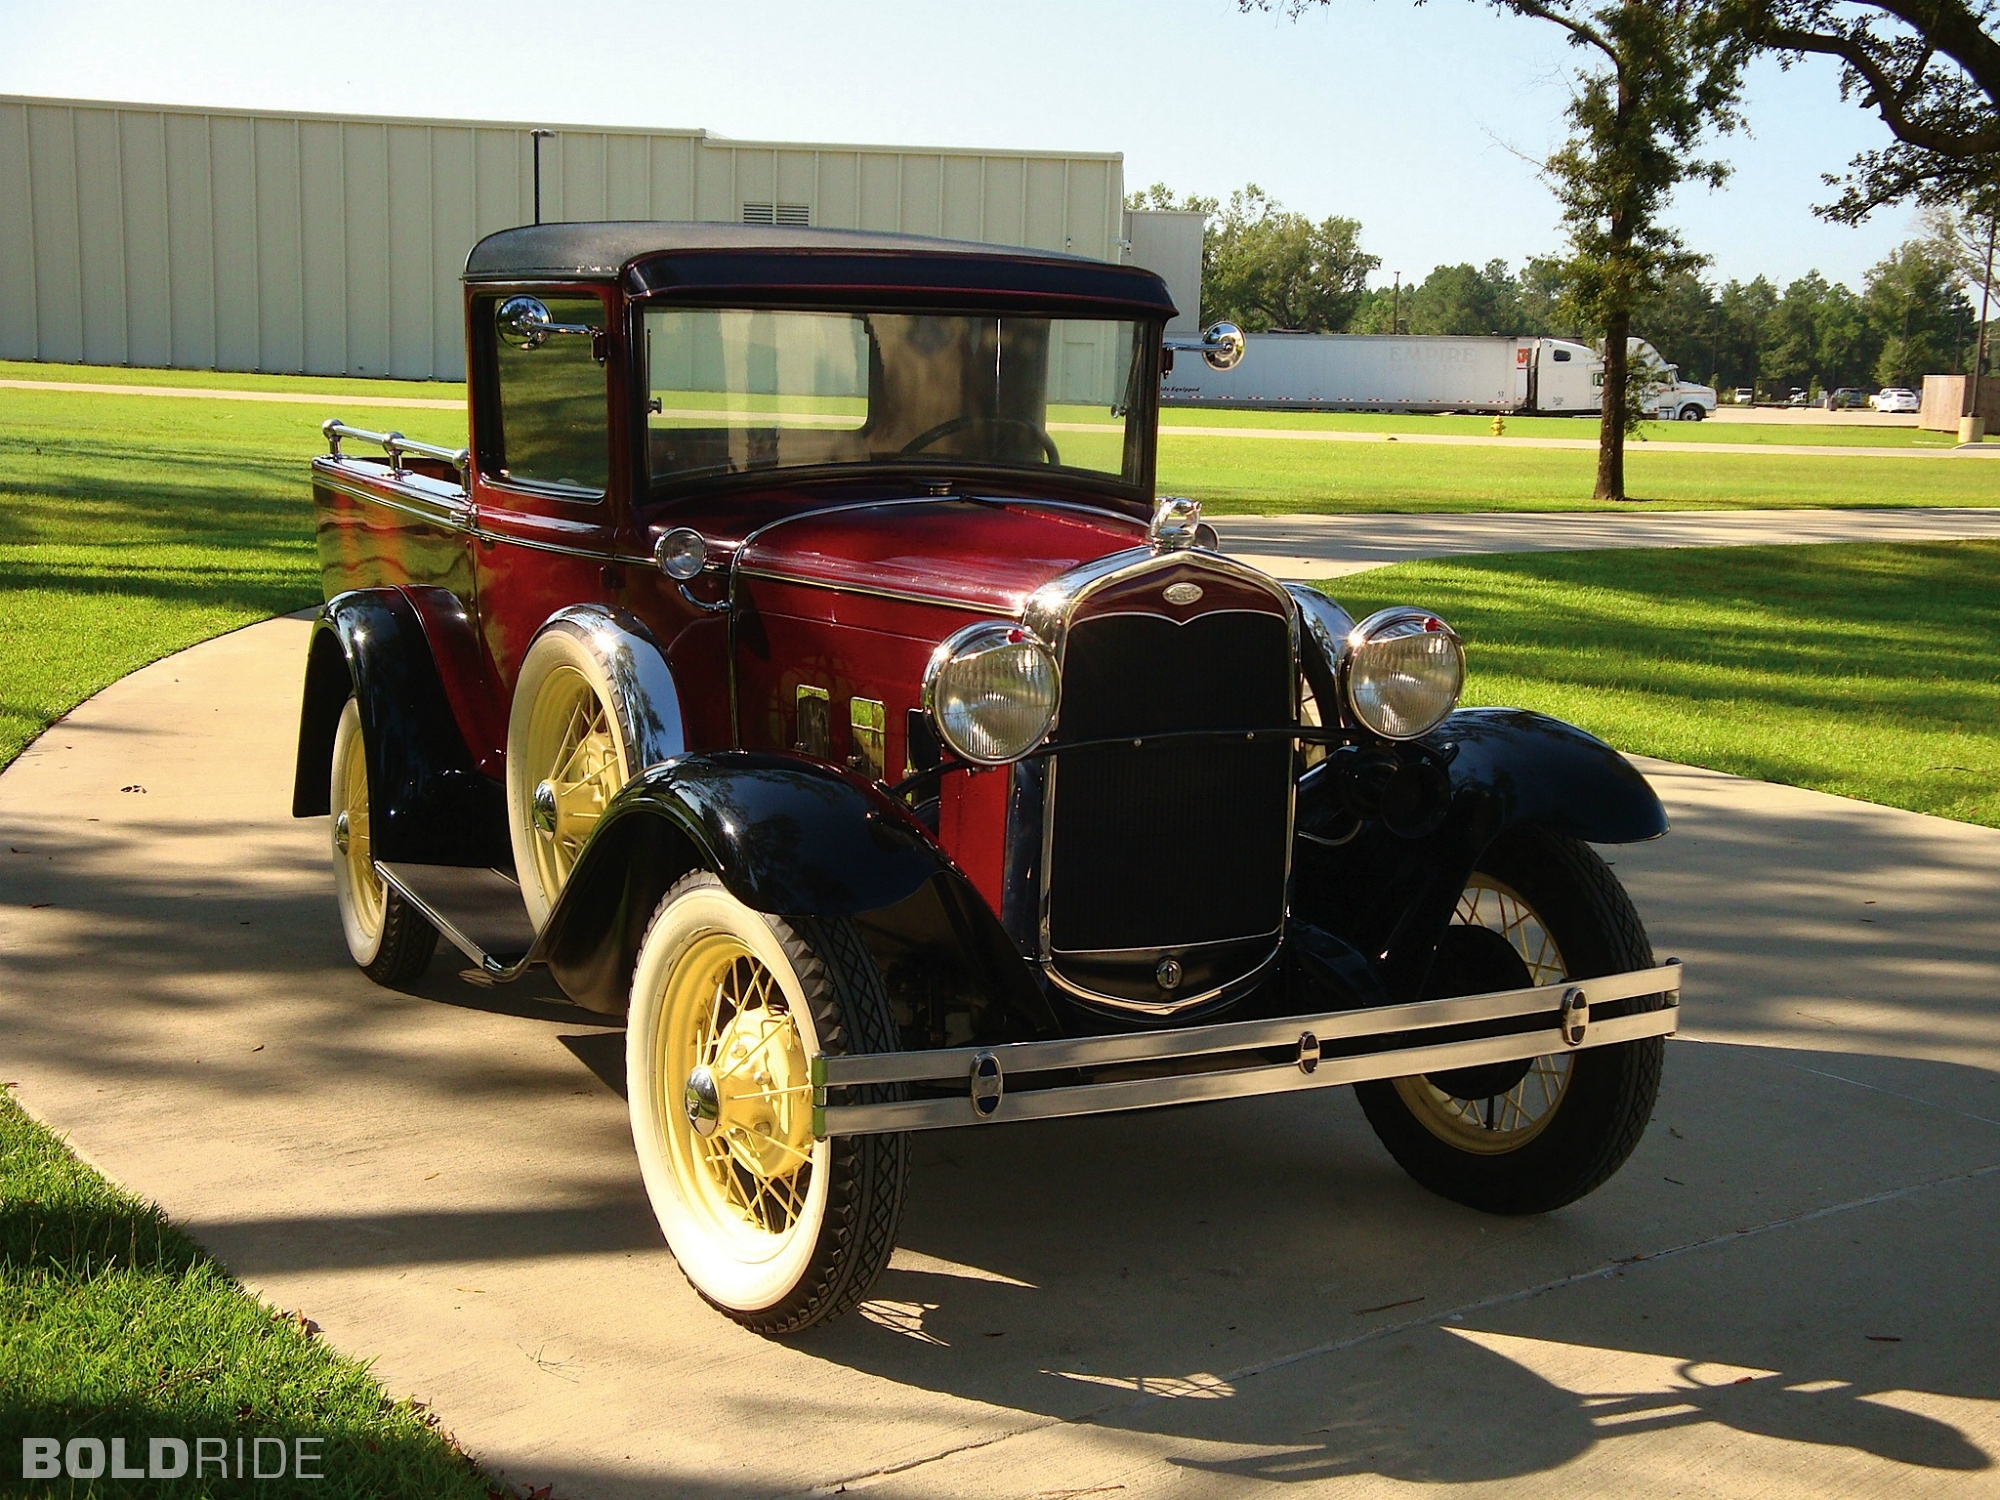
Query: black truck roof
[706,259]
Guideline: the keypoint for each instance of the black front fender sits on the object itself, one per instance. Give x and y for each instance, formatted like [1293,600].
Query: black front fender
[429,803]
[1529,768]
[1392,896]
[793,838]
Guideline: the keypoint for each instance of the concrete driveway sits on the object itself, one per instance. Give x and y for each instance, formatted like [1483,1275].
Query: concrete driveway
[1329,546]
[1791,1289]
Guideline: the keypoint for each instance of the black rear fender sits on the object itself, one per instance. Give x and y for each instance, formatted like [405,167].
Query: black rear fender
[429,803]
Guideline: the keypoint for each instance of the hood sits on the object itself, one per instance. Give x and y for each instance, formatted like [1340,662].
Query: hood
[988,555]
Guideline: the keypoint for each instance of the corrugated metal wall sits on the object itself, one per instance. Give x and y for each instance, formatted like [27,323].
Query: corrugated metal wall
[211,239]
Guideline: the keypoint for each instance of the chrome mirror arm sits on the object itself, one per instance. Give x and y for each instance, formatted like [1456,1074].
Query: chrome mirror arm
[1222,345]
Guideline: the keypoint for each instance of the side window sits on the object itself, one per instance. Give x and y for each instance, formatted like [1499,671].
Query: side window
[1561,356]
[552,407]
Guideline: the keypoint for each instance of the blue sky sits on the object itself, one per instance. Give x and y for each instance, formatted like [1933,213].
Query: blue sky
[1413,119]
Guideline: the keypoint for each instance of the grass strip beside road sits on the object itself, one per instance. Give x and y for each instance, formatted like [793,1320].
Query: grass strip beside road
[113,1324]
[1247,476]
[1865,670]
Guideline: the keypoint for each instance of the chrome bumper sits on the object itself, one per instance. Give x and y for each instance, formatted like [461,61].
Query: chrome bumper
[1202,1056]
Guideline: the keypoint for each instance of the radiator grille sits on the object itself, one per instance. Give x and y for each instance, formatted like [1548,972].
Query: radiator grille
[1177,842]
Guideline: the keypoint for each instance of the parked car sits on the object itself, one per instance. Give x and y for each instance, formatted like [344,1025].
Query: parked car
[1896,399]
[799,661]
[1744,395]
[1847,398]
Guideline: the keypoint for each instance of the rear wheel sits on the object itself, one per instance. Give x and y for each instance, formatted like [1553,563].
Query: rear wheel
[777,1229]
[1529,1136]
[566,759]
[386,936]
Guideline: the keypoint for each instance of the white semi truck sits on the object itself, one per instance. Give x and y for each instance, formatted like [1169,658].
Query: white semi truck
[1380,372]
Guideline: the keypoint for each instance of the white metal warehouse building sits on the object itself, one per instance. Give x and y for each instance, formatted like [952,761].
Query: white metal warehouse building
[152,235]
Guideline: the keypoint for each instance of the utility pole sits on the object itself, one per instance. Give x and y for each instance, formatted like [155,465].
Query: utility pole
[539,136]
[1396,305]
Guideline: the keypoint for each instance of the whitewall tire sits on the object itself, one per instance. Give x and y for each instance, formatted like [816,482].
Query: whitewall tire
[777,1229]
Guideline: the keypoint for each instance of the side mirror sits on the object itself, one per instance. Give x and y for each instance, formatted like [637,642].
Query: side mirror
[524,323]
[1222,346]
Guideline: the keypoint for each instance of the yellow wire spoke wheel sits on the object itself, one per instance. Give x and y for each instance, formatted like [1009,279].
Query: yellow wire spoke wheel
[1530,1135]
[729,1007]
[566,760]
[571,745]
[741,1139]
[362,895]
[1509,1119]
[388,939]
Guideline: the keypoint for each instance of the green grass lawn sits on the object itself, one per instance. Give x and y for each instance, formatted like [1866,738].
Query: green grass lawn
[1870,671]
[1250,476]
[113,1324]
[1810,434]
[131,529]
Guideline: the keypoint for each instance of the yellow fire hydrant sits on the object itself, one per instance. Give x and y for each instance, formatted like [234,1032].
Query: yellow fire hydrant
[1499,426]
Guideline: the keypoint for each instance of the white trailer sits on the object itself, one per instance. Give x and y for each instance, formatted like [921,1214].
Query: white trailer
[1369,372]
[1382,372]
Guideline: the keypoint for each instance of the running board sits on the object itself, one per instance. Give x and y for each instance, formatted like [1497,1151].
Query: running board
[478,911]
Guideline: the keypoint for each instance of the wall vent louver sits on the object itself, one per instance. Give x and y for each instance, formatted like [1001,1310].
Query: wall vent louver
[798,214]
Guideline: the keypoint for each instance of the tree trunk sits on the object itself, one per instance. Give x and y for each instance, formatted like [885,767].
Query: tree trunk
[1611,418]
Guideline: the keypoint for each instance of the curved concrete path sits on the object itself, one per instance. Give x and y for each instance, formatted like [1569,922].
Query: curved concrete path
[1310,546]
[1790,1290]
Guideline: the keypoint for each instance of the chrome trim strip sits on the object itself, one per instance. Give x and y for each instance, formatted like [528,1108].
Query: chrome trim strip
[1049,612]
[1161,951]
[1173,1007]
[1236,1083]
[1197,1042]
[869,590]
[454,515]
[463,517]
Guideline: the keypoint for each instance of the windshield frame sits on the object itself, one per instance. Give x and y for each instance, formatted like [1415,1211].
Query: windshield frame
[1141,423]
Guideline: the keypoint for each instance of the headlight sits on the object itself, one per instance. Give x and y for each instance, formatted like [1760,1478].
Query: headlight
[990,691]
[1403,672]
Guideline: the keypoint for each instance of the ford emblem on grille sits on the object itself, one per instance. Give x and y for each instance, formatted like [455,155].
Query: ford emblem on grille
[1183,593]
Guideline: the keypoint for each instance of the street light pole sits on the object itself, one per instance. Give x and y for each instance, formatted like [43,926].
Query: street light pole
[539,136]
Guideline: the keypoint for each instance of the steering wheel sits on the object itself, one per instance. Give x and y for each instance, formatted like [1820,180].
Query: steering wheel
[923,440]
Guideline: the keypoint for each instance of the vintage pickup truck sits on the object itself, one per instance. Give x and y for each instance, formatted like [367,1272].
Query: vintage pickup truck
[799,661]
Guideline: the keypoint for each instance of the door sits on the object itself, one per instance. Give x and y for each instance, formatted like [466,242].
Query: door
[545,529]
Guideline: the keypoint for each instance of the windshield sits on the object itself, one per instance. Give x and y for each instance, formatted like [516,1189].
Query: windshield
[737,390]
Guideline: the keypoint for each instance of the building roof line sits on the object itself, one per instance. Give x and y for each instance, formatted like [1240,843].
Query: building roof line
[700,137]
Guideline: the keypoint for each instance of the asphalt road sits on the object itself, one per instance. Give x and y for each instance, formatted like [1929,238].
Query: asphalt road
[1790,1290]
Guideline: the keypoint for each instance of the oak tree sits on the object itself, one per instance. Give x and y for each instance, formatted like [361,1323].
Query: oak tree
[1661,76]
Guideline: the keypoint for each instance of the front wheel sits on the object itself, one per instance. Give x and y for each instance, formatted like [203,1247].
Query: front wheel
[1527,1137]
[777,1229]
[1692,413]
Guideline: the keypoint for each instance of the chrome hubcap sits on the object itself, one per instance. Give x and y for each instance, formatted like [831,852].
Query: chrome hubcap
[545,809]
[703,1102]
[342,833]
